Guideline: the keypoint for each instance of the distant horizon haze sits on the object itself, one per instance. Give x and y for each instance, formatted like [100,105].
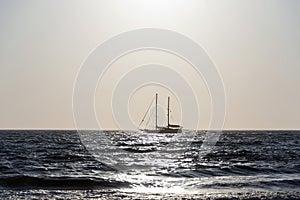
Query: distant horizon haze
[255,46]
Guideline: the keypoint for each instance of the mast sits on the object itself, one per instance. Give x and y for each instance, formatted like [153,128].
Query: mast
[156,97]
[168,112]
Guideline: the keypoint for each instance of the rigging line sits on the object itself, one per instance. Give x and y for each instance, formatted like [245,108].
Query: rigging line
[149,119]
[146,112]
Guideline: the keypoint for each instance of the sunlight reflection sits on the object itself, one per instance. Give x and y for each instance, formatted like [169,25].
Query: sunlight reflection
[157,190]
[143,183]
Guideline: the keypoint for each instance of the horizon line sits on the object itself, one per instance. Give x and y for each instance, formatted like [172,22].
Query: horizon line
[74,129]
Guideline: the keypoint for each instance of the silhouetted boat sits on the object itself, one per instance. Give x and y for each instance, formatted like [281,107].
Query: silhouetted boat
[169,128]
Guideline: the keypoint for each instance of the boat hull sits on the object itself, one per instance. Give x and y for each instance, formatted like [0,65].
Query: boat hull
[163,130]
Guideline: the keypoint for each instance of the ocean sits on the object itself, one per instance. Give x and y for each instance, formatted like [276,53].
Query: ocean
[58,164]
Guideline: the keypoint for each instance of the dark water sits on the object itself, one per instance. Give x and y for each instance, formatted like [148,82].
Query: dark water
[118,164]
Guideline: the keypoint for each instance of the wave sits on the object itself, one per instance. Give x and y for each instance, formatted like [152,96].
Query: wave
[274,184]
[140,150]
[31,159]
[31,182]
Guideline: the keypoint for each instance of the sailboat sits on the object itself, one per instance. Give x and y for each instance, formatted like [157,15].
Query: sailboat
[169,128]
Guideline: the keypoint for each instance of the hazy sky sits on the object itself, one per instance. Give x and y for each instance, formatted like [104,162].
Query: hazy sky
[255,45]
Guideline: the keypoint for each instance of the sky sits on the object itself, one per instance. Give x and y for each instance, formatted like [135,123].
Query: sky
[254,44]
